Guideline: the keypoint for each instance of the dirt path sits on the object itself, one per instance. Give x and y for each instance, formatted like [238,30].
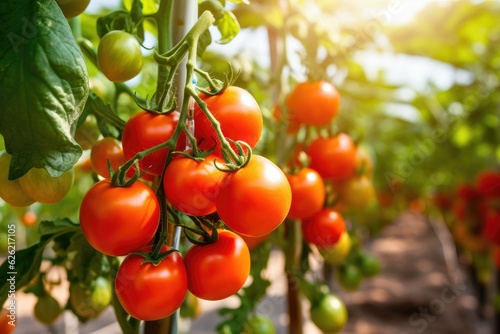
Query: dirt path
[420,290]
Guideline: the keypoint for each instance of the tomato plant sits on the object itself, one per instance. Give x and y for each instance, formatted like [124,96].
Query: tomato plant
[119,56]
[119,220]
[106,149]
[42,187]
[308,193]
[313,103]
[324,228]
[218,270]
[255,199]
[237,112]
[145,130]
[150,291]
[192,186]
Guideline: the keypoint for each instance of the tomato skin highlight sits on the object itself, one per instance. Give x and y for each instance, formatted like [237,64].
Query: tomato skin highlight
[255,199]
[218,270]
[104,149]
[308,193]
[191,186]
[313,103]
[119,56]
[324,228]
[239,116]
[148,292]
[333,158]
[119,220]
[144,130]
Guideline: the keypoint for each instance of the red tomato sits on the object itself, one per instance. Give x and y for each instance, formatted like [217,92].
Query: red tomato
[119,220]
[191,186]
[29,218]
[104,149]
[314,103]
[239,116]
[255,199]
[491,228]
[151,292]
[488,183]
[308,193]
[333,158]
[218,270]
[466,192]
[145,130]
[324,228]
[5,327]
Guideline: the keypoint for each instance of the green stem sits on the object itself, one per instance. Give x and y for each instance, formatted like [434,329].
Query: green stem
[163,18]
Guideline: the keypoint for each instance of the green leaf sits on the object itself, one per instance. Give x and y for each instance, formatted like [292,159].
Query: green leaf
[228,27]
[44,87]
[56,226]
[21,267]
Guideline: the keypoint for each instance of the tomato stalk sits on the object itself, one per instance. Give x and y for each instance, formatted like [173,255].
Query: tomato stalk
[293,274]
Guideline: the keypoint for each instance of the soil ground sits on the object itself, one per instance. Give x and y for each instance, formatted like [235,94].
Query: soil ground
[421,289]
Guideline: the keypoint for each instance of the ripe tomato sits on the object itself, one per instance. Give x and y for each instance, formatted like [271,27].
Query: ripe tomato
[104,149]
[491,228]
[237,112]
[314,103]
[333,158]
[72,8]
[218,270]
[145,130]
[47,310]
[356,192]
[151,292]
[39,185]
[329,314]
[29,218]
[488,183]
[255,199]
[337,253]
[119,220]
[5,327]
[11,191]
[119,56]
[324,228]
[191,186]
[308,193]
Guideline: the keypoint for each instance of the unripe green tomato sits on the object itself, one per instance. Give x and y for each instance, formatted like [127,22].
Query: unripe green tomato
[349,277]
[329,314]
[47,310]
[72,8]
[259,324]
[11,191]
[337,253]
[88,302]
[369,265]
[119,56]
[39,185]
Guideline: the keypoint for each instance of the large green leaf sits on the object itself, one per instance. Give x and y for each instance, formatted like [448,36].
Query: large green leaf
[44,85]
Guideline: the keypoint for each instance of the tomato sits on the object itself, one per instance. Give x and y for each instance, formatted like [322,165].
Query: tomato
[88,301]
[333,158]
[151,292]
[491,228]
[337,253]
[5,327]
[324,228]
[39,185]
[255,199]
[119,220]
[88,133]
[308,193]
[106,149]
[488,183]
[191,186]
[72,8]
[259,324]
[329,314]
[29,218]
[364,163]
[11,191]
[314,103]
[218,270]
[237,112]
[47,309]
[368,264]
[357,192]
[145,130]
[119,56]
[349,277]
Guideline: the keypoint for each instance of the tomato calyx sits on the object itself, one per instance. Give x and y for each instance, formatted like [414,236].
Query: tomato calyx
[205,229]
[232,162]
[154,259]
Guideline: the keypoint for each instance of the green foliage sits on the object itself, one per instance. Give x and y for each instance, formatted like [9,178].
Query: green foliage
[44,87]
